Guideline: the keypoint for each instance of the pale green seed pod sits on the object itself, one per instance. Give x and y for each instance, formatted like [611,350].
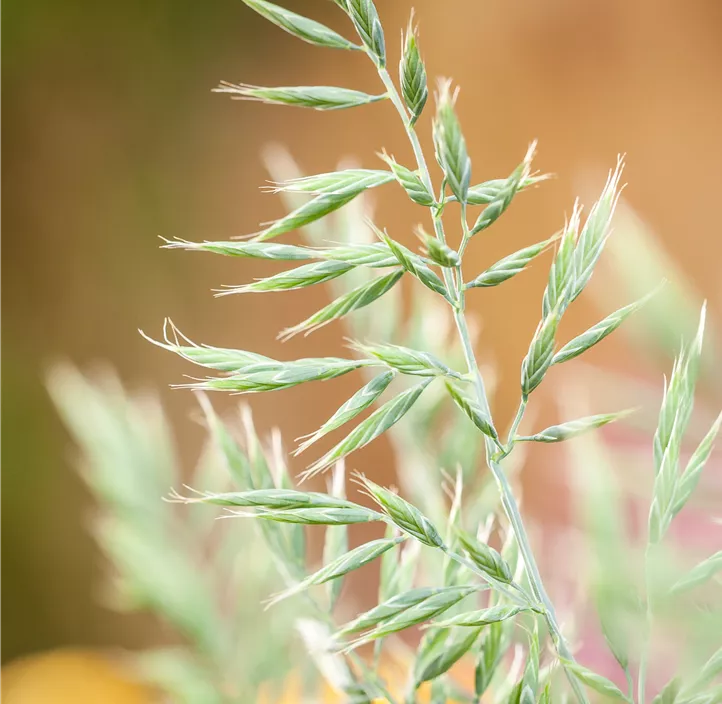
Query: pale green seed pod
[388,609]
[358,403]
[302,27]
[410,181]
[316,97]
[365,18]
[485,558]
[438,252]
[275,376]
[450,144]
[272,498]
[412,74]
[372,427]
[442,652]
[566,431]
[562,276]
[596,333]
[692,472]
[596,230]
[510,188]
[408,361]
[433,605]
[254,250]
[492,652]
[300,277]
[346,181]
[415,266]
[403,514]
[482,617]
[319,516]
[487,192]
[352,560]
[219,358]
[540,354]
[594,681]
[375,255]
[509,266]
[355,299]
[698,575]
[480,419]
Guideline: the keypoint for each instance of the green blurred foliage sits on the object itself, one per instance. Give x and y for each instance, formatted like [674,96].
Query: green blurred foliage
[103,113]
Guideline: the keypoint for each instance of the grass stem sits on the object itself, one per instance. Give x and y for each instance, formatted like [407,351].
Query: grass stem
[507,495]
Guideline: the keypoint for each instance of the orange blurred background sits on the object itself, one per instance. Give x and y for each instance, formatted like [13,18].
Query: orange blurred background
[111,139]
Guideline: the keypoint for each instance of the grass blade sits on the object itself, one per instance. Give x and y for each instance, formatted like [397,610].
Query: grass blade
[316,97]
[357,298]
[358,403]
[302,27]
[300,277]
[509,266]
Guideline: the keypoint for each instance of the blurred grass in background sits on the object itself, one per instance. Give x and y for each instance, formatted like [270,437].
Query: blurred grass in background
[111,138]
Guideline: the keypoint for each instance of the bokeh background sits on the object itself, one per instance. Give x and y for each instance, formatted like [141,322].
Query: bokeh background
[111,139]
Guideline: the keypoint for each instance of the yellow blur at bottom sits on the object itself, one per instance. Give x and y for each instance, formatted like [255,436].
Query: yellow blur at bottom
[292,691]
[69,677]
[87,677]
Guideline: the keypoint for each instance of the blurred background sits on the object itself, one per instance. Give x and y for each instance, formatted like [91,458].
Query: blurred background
[112,139]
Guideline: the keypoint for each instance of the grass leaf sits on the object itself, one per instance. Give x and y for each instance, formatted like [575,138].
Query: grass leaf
[300,277]
[316,97]
[412,74]
[408,361]
[444,653]
[450,144]
[540,354]
[371,428]
[335,182]
[699,574]
[485,557]
[496,207]
[365,18]
[509,266]
[410,181]
[403,514]
[594,681]
[474,412]
[482,617]
[352,560]
[357,298]
[572,428]
[358,403]
[255,250]
[302,27]
[597,332]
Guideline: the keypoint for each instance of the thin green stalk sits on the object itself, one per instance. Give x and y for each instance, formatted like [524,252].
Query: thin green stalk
[525,600]
[420,162]
[511,509]
[642,675]
[507,496]
[630,684]
[515,424]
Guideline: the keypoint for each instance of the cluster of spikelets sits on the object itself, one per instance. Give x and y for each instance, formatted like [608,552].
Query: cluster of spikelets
[439,269]
[483,597]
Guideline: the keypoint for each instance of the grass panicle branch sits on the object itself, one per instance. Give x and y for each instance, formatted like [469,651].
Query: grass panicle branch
[487,604]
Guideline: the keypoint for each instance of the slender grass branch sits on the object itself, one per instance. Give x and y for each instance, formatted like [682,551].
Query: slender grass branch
[644,656]
[516,423]
[395,98]
[524,600]
[507,495]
